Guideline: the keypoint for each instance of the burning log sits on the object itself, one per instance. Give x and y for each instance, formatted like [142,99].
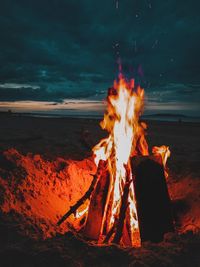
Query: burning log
[152,203]
[123,209]
[96,210]
[152,198]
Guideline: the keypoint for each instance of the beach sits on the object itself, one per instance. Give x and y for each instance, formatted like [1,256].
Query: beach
[46,165]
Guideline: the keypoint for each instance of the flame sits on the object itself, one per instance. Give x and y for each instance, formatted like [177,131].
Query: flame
[126,138]
[125,102]
[164,153]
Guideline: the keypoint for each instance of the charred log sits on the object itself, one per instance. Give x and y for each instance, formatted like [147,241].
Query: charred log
[109,234]
[153,201]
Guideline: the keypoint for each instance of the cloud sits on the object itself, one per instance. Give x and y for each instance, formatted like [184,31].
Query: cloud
[18,86]
[55,91]
[70,48]
[174,92]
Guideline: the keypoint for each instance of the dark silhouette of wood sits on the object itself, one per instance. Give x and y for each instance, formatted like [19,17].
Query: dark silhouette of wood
[152,198]
[87,195]
[110,233]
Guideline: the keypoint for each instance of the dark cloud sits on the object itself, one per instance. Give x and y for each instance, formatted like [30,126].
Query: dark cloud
[71,47]
[41,94]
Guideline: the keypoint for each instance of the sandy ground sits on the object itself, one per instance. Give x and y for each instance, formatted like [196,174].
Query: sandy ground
[46,165]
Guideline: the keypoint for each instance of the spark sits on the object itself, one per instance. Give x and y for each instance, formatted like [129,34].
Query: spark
[148,85]
[135,46]
[155,44]
[149,4]
[117,4]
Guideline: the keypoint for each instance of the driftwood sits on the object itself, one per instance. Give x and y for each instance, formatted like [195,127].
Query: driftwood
[87,195]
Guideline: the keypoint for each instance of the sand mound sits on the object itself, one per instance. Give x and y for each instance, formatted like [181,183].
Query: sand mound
[37,192]
[40,191]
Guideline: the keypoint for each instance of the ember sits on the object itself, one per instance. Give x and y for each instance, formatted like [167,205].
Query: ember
[112,216]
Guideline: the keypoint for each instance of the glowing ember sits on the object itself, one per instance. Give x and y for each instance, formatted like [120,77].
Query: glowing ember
[126,139]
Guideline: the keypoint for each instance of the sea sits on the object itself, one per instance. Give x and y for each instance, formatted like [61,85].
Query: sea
[99,115]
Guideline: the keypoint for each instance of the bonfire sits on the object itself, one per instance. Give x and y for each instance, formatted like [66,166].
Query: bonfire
[119,200]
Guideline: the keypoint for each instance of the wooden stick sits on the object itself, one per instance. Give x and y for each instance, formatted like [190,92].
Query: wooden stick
[109,234]
[84,197]
[123,208]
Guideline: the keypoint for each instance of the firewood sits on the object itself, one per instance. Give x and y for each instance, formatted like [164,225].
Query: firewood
[110,233]
[87,195]
[152,198]
[96,210]
[123,209]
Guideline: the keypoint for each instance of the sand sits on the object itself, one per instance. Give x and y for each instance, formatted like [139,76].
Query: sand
[46,165]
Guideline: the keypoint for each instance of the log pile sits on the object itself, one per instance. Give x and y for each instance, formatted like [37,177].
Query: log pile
[152,202]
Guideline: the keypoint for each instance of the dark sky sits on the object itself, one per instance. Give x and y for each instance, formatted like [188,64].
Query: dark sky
[56,49]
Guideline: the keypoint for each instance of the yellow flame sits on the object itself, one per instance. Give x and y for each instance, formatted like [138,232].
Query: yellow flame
[164,153]
[126,138]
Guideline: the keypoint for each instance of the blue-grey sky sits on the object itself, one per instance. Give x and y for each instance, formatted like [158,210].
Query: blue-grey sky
[52,50]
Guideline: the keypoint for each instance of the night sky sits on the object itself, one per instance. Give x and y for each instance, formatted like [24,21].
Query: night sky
[52,50]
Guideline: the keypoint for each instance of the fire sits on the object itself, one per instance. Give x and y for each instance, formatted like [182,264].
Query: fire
[164,153]
[121,120]
[112,212]
[125,102]
[126,138]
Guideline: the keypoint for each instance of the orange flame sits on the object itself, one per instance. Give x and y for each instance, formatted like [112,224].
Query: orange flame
[126,138]
[164,153]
